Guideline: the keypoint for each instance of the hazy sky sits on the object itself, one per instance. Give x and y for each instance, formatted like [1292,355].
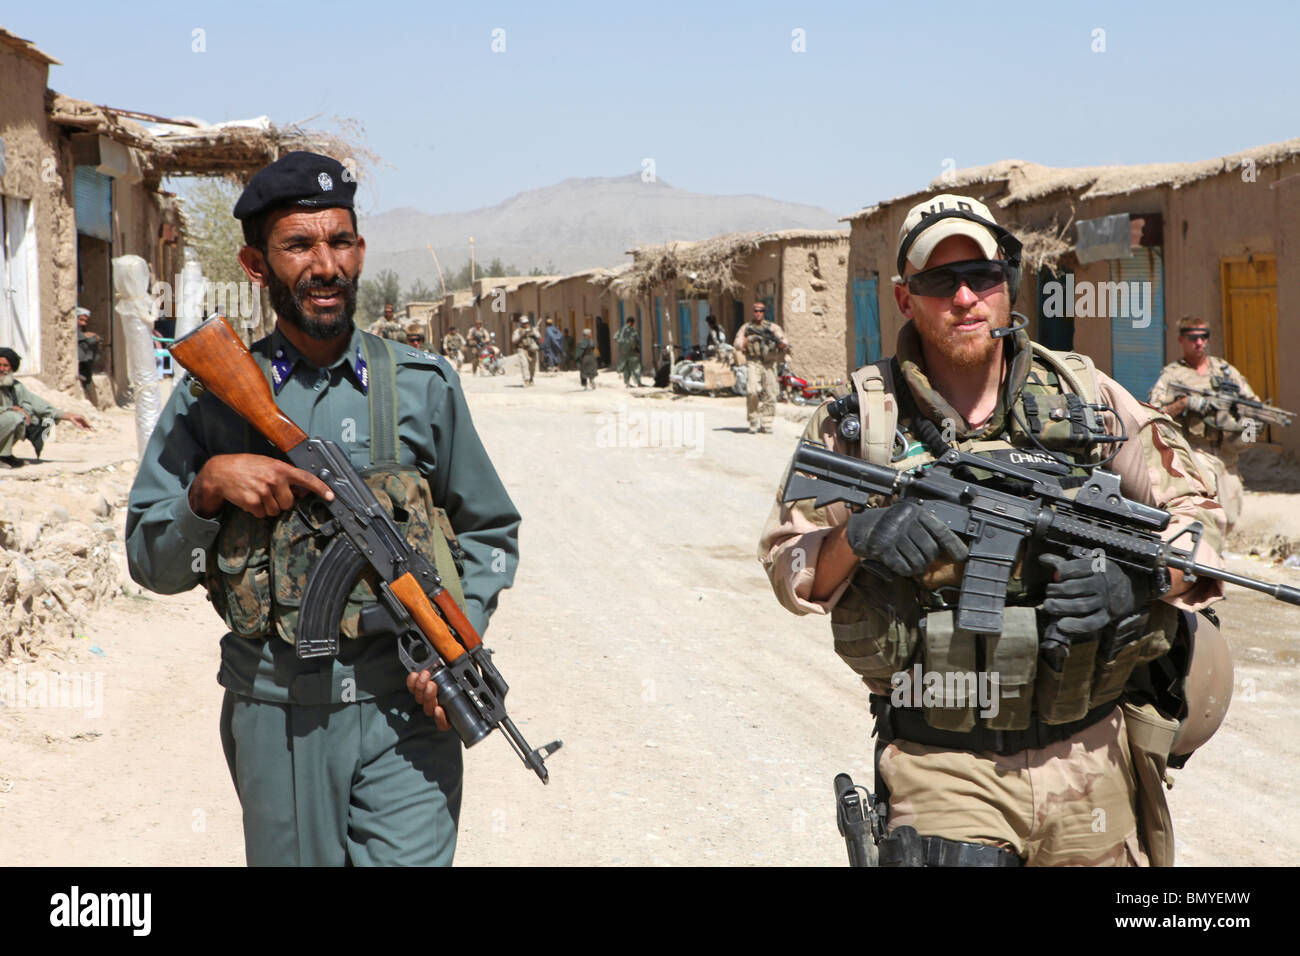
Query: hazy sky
[715,94]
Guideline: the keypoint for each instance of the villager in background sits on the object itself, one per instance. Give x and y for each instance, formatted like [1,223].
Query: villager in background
[629,353]
[585,355]
[453,345]
[1215,435]
[552,346]
[528,341]
[24,414]
[1077,678]
[762,343]
[716,337]
[88,345]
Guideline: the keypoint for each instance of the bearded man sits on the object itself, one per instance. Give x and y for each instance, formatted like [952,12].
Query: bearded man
[345,759]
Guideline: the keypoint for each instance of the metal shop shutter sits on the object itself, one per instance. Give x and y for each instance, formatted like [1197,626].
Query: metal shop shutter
[93,195]
[1137,354]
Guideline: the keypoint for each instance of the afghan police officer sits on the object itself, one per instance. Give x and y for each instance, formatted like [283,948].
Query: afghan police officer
[478,338]
[343,760]
[629,353]
[762,342]
[453,344]
[1217,436]
[1019,753]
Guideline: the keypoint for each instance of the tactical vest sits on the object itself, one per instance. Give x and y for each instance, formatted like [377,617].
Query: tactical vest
[884,630]
[259,573]
[762,346]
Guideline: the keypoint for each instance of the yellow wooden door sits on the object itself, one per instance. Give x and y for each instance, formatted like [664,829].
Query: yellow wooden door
[1250,321]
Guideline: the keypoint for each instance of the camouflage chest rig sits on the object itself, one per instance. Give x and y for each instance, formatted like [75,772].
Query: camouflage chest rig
[883,629]
[261,566]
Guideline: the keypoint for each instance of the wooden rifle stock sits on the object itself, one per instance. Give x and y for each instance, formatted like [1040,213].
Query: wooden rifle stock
[222,364]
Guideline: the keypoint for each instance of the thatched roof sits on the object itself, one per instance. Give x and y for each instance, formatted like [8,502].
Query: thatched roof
[707,263]
[185,147]
[598,275]
[1025,181]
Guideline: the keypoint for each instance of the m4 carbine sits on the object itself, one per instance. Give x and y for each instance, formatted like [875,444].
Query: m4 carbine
[1226,397]
[433,633]
[994,522]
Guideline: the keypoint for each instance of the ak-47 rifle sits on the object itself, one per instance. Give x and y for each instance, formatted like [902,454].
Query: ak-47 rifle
[995,522]
[433,633]
[1226,396]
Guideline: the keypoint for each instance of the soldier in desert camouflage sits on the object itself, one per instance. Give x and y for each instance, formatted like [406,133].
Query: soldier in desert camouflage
[1019,778]
[1216,436]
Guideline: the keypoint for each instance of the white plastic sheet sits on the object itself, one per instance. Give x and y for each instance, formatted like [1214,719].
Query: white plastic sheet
[135,314]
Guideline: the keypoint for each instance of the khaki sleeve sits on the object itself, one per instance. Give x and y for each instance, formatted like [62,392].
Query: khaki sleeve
[793,535]
[1157,467]
[1161,394]
[740,339]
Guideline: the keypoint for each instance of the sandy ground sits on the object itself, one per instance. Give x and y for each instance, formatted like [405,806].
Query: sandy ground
[702,724]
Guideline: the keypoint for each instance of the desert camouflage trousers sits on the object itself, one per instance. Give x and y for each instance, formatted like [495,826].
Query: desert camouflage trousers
[1226,477]
[1069,804]
[527,364]
[760,395]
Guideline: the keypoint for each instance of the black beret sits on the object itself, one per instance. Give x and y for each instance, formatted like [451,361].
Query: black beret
[12,356]
[297,179]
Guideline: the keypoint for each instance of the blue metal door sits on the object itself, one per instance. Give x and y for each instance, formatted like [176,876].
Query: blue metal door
[702,325]
[866,320]
[659,329]
[1137,320]
[684,324]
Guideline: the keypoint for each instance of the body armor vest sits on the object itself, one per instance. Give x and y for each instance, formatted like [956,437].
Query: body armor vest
[257,575]
[760,344]
[900,638]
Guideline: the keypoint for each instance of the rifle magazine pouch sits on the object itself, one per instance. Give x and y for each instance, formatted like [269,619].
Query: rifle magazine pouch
[1135,640]
[869,633]
[1062,696]
[1149,738]
[238,573]
[1011,662]
[950,679]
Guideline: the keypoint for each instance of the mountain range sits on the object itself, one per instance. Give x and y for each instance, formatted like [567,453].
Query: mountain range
[575,224]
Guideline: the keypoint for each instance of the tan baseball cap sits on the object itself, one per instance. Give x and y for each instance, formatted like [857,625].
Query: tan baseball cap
[918,253]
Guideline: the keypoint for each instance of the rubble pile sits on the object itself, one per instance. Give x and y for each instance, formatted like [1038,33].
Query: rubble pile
[61,555]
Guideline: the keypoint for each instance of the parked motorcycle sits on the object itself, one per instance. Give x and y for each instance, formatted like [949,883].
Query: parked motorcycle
[802,391]
[713,374]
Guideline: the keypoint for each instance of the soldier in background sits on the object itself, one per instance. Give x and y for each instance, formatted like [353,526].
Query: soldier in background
[761,341]
[629,353]
[388,327]
[453,345]
[476,339]
[529,343]
[1215,436]
[88,345]
[415,336]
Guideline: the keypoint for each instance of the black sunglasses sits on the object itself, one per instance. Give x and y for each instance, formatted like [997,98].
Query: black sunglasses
[1197,336]
[980,274]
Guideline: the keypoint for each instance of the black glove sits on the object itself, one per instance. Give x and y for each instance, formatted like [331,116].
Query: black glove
[902,537]
[1084,601]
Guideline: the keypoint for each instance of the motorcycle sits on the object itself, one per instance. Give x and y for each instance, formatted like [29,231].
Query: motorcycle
[714,374]
[802,391]
[489,357]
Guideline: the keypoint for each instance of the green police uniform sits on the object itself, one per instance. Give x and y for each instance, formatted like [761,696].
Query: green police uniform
[629,354]
[332,759]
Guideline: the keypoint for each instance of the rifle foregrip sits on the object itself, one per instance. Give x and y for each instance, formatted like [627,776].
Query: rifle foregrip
[408,591]
[218,359]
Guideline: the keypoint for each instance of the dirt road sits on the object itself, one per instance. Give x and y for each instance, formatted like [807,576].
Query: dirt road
[702,724]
